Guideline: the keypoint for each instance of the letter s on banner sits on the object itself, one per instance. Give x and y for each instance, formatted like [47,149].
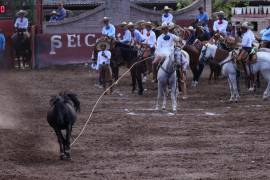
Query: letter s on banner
[87,43]
[56,43]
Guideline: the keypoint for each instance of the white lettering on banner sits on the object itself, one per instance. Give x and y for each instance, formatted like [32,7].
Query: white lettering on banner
[55,43]
[87,40]
[73,41]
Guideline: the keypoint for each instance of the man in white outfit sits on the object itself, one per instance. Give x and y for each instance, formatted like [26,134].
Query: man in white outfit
[167,17]
[22,22]
[220,25]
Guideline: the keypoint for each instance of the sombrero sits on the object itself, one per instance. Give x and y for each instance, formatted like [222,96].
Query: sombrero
[149,23]
[130,24]
[164,25]
[101,43]
[138,23]
[246,25]
[166,8]
[21,12]
[220,13]
[53,12]
[123,24]
[191,28]
[105,18]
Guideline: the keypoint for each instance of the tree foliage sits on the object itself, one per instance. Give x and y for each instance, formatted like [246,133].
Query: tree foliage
[183,3]
[226,5]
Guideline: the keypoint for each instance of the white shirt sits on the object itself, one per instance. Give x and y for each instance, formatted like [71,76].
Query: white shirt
[109,31]
[168,19]
[127,37]
[221,27]
[166,45]
[103,60]
[21,23]
[150,38]
[248,39]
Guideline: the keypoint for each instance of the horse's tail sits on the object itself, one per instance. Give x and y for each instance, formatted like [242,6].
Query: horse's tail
[56,115]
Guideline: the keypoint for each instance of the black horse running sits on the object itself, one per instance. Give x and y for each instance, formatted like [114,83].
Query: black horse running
[62,116]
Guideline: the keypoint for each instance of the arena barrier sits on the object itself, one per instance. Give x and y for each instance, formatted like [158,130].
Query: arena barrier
[63,49]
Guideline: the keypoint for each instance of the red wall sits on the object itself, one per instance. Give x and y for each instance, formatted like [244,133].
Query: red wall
[62,49]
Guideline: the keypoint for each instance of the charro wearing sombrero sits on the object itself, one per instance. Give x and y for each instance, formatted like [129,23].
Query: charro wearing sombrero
[137,36]
[246,55]
[167,17]
[127,34]
[103,64]
[21,22]
[165,43]
[108,29]
[220,25]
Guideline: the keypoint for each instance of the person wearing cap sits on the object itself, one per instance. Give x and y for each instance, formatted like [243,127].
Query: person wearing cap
[137,37]
[127,34]
[61,12]
[2,45]
[265,36]
[103,65]
[53,17]
[167,17]
[108,29]
[220,25]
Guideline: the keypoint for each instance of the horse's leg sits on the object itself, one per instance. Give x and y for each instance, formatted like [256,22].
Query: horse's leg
[231,88]
[61,142]
[173,93]
[67,141]
[258,82]
[211,73]
[233,79]
[133,78]
[139,78]
[266,75]
[164,93]
[160,94]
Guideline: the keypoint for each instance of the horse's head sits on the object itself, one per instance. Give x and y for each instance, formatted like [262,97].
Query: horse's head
[177,55]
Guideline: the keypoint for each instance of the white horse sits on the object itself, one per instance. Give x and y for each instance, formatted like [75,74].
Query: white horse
[262,65]
[228,68]
[167,76]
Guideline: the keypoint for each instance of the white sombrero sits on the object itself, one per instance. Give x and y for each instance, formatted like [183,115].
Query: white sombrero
[164,25]
[53,12]
[105,18]
[21,12]
[123,24]
[220,13]
[167,8]
[130,24]
[101,43]
[246,25]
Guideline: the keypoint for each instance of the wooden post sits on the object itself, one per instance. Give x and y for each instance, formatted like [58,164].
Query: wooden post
[39,15]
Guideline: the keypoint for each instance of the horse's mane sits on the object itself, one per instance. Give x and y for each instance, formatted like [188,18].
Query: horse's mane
[70,96]
[66,97]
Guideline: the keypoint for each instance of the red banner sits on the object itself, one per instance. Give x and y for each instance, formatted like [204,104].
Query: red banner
[62,49]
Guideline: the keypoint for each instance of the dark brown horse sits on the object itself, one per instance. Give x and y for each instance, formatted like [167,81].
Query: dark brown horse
[22,49]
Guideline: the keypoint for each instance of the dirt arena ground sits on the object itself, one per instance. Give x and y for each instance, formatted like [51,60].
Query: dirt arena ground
[209,138]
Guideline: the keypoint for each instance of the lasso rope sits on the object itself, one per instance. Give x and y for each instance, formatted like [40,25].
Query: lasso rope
[100,97]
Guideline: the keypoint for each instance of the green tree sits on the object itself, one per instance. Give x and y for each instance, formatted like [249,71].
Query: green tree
[226,5]
[183,3]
